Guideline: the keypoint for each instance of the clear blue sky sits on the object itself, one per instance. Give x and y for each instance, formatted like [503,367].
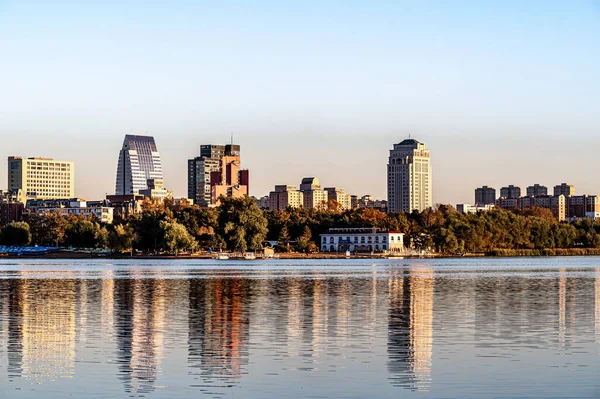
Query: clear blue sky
[501,92]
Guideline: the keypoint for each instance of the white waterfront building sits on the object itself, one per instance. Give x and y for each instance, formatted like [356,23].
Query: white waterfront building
[139,161]
[362,239]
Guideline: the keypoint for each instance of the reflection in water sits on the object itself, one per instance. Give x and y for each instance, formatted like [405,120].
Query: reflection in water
[231,329]
[410,332]
[218,331]
[41,331]
[139,319]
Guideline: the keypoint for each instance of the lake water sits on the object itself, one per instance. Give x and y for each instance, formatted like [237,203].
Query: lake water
[447,328]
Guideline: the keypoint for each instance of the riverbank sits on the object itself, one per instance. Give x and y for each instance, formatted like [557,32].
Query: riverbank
[294,255]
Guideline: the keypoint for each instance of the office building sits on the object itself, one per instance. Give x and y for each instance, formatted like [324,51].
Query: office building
[536,190]
[485,196]
[217,171]
[43,178]
[409,177]
[510,192]
[564,189]
[139,161]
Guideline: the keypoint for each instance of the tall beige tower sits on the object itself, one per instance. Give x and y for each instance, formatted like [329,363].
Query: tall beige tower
[409,177]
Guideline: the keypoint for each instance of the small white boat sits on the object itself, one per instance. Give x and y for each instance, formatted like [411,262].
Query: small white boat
[249,256]
[222,257]
[347,254]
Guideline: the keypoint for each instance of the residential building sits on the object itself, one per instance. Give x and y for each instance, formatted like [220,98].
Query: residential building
[156,190]
[217,171]
[409,177]
[536,191]
[367,239]
[43,178]
[74,206]
[564,189]
[485,196]
[10,212]
[583,206]
[337,194]
[285,196]
[262,202]
[556,204]
[125,205]
[139,161]
[313,195]
[368,202]
[467,208]
[510,192]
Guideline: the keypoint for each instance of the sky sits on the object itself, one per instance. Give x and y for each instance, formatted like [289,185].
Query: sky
[501,92]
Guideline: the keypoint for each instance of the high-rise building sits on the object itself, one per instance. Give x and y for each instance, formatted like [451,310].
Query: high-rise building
[485,196]
[339,195]
[409,177]
[42,178]
[314,195]
[217,171]
[285,196]
[510,192]
[537,191]
[564,189]
[139,161]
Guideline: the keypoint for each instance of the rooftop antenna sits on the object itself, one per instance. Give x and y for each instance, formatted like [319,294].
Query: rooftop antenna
[408,134]
[232,138]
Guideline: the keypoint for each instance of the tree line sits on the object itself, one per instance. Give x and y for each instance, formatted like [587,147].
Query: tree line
[239,225]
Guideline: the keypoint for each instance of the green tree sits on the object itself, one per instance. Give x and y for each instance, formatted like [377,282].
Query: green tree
[85,233]
[283,240]
[304,243]
[242,224]
[176,237]
[48,229]
[15,233]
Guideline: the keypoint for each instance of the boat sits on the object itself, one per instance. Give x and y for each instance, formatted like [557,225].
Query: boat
[222,257]
[249,256]
[347,254]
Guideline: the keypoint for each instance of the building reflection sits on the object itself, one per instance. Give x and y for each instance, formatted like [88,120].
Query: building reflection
[41,328]
[410,328]
[218,330]
[139,323]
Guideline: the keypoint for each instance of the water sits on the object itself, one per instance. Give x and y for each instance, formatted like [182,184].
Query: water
[448,328]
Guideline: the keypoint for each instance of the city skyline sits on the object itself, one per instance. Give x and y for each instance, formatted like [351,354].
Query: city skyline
[497,91]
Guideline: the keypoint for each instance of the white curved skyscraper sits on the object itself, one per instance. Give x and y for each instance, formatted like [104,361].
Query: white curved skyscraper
[139,161]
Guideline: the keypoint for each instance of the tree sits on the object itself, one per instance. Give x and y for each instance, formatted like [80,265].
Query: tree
[304,244]
[15,233]
[176,237]
[84,233]
[48,229]
[121,238]
[283,240]
[242,224]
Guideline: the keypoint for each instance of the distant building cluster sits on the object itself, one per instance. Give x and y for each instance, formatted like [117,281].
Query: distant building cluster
[563,203]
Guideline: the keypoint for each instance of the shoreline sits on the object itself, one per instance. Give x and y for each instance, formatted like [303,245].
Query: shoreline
[299,256]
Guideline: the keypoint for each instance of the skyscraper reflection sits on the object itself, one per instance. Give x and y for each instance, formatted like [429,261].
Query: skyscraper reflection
[218,330]
[139,326]
[410,328]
